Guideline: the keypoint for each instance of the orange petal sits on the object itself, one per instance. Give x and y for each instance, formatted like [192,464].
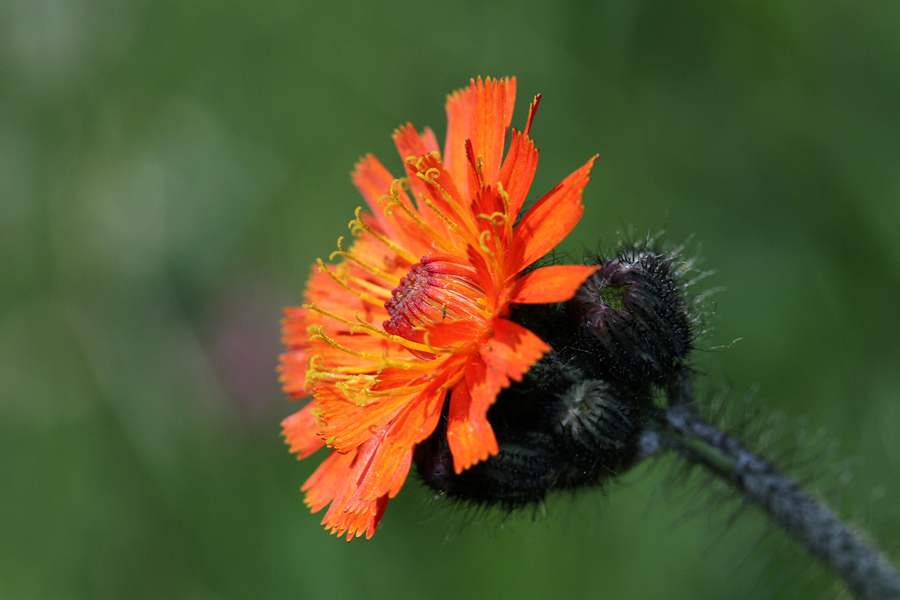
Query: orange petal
[506,356]
[352,481]
[349,425]
[325,292]
[488,273]
[364,520]
[550,284]
[292,367]
[511,352]
[336,481]
[494,102]
[410,146]
[393,458]
[487,201]
[469,433]
[430,141]
[377,512]
[480,113]
[293,327]
[328,480]
[454,333]
[372,180]
[301,432]
[518,171]
[387,472]
[549,220]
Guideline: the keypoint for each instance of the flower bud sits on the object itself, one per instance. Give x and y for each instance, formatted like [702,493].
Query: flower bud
[634,319]
[554,431]
[597,423]
[521,473]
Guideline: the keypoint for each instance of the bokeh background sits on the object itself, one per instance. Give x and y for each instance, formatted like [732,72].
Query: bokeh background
[170,169]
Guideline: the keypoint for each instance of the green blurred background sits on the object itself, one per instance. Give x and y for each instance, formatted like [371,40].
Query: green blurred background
[170,170]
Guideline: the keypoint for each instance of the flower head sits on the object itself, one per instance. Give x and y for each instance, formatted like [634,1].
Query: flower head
[414,313]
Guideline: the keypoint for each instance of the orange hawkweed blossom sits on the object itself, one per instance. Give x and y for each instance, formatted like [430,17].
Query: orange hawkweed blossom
[413,313]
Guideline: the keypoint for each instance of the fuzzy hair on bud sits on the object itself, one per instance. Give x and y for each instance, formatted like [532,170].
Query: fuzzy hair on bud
[634,319]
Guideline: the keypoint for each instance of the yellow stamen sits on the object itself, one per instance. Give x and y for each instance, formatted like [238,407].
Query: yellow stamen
[503,196]
[393,197]
[431,176]
[372,330]
[352,257]
[349,384]
[372,287]
[321,335]
[332,375]
[444,350]
[398,391]
[393,200]
[496,218]
[452,381]
[364,296]
[355,369]
[316,373]
[317,415]
[479,168]
[402,252]
[358,396]
[430,204]
[509,218]
[482,242]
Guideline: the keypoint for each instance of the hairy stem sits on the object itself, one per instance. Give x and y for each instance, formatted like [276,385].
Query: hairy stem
[865,570]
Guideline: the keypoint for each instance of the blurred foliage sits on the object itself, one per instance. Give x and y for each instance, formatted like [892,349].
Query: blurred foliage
[170,170]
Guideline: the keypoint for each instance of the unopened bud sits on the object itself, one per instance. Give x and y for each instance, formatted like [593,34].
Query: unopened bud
[596,421]
[554,431]
[634,318]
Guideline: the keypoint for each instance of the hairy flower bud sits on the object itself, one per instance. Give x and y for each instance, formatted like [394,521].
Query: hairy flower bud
[554,430]
[634,319]
[596,422]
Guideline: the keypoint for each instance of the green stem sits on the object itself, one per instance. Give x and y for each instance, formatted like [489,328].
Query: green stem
[864,569]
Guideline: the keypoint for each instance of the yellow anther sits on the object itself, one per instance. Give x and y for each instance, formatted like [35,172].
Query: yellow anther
[402,252]
[431,233]
[381,360]
[482,242]
[496,218]
[371,269]
[356,228]
[430,176]
[372,287]
[504,196]
[428,202]
[318,333]
[340,281]
[391,198]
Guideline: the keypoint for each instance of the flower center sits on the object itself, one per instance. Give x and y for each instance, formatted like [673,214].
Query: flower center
[436,289]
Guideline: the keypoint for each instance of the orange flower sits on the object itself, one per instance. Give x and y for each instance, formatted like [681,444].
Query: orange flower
[414,312]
